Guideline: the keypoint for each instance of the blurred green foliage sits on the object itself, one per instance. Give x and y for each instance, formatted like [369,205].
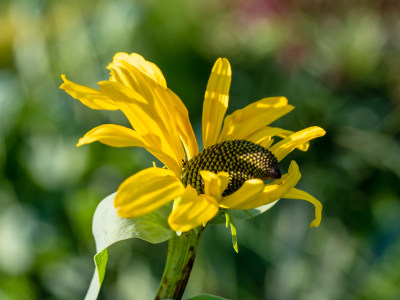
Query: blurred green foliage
[337,61]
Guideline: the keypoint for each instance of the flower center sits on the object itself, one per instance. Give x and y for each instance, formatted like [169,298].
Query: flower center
[241,159]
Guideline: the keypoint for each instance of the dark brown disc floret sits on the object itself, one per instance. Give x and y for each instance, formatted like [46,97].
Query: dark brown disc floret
[241,159]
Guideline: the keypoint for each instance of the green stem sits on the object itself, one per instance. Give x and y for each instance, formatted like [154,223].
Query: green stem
[181,254]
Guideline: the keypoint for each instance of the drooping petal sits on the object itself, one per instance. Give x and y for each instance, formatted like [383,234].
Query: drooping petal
[250,190]
[113,135]
[144,120]
[215,184]
[253,117]
[129,70]
[284,147]
[147,80]
[144,66]
[302,195]
[146,191]
[216,101]
[185,128]
[88,96]
[263,136]
[179,116]
[191,210]
[136,108]
[120,136]
[273,191]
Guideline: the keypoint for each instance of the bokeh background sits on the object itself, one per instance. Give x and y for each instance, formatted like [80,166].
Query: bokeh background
[338,62]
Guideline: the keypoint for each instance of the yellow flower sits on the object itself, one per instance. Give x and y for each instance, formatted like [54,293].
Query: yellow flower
[160,124]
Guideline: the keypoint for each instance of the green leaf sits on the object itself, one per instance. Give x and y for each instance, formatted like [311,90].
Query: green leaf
[229,221]
[206,297]
[242,214]
[109,228]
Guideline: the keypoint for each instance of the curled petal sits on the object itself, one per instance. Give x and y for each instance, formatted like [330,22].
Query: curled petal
[132,104]
[147,79]
[247,193]
[145,119]
[215,184]
[146,191]
[88,96]
[253,117]
[113,135]
[185,129]
[302,195]
[146,67]
[263,137]
[275,190]
[216,101]
[120,136]
[191,210]
[284,147]
[166,108]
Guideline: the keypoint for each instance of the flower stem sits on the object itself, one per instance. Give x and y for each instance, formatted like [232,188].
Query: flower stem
[181,254]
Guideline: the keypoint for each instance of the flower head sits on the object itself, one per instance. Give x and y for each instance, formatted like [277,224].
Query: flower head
[228,173]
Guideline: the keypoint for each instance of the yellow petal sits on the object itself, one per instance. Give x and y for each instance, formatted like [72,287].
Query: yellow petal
[140,113]
[275,190]
[145,119]
[113,135]
[147,80]
[120,136]
[167,109]
[191,210]
[284,147]
[216,101]
[302,195]
[178,117]
[88,96]
[185,128]
[263,136]
[253,117]
[259,135]
[250,190]
[144,66]
[215,184]
[146,191]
